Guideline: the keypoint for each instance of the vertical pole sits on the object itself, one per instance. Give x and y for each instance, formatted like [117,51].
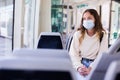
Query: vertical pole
[110,23]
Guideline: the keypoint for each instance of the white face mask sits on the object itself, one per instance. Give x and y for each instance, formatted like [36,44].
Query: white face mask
[88,24]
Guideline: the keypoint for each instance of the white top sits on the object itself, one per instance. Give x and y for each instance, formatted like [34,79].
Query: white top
[89,48]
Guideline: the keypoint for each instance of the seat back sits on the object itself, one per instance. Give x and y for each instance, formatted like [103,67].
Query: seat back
[69,39]
[39,53]
[102,63]
[44,67]
[36,69]
[113,72]
[50,40]
[69,43]
[114,48]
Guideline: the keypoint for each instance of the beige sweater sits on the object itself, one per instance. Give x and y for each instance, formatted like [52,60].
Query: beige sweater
[89,48]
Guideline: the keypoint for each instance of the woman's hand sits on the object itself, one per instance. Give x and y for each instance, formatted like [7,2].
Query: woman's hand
[84,71]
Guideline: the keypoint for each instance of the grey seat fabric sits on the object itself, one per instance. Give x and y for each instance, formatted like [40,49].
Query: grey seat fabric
[102,64]
[113,72]
[42,66]
[69,42]
[50,40]
[38,53]
[36,69]
[69,39]
[114,47]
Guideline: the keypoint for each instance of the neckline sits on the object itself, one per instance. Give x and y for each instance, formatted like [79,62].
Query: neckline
[90,36]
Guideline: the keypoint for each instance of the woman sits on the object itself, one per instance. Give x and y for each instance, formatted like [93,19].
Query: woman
[88,42]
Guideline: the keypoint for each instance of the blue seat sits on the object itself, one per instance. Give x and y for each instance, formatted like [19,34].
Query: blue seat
[50,40]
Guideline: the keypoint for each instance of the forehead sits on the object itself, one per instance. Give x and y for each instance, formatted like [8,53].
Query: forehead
[87,14]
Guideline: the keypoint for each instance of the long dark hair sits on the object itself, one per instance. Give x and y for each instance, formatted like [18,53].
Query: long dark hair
[98,25]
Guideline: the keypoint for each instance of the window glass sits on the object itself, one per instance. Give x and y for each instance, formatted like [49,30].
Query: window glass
[6,25]
[57,16]
[115,22]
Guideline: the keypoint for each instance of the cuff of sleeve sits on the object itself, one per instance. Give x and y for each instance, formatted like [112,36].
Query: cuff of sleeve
[77,66]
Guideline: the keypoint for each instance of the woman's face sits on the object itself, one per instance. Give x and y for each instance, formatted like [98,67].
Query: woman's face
[88,16]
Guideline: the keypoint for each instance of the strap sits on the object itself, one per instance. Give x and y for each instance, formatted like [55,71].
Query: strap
[101,37]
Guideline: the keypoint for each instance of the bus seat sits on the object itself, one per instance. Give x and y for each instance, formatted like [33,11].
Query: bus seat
[50,40]
[38,53]
[22,68]
[102,63]
[115,48]
[113,72]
